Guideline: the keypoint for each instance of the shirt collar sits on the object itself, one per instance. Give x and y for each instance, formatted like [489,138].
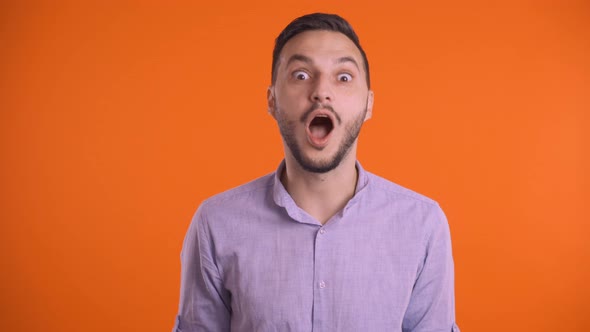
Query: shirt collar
[282,198]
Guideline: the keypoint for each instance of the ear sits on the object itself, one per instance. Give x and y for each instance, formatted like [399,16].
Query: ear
[271,102]
[369,105]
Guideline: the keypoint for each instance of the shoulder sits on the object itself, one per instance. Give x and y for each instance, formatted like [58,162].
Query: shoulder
[233,210]
[407,207]
[393,191]
[247,193]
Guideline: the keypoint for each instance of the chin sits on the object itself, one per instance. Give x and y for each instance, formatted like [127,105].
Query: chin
[321,165]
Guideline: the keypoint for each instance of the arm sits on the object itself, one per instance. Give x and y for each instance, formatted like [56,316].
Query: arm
[204,303]
[432,305]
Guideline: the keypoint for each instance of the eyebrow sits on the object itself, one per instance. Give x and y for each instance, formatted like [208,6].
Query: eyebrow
[299,57]
[345,59]
[308,60]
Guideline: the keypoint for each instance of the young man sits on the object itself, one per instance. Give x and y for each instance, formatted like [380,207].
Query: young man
[320,244]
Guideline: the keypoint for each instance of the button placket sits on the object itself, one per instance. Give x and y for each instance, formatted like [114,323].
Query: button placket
[320,284]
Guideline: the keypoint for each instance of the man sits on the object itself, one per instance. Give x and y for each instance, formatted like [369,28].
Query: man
[320,244]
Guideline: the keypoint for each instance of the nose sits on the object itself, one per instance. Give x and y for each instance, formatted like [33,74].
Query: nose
[321,91]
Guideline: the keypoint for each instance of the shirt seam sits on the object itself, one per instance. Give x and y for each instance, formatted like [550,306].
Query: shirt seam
[206,237]
[232,193]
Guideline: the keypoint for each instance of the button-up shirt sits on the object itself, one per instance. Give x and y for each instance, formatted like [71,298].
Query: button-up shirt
[252,260]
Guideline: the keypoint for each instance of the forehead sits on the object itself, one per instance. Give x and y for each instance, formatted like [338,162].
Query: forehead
[319,45]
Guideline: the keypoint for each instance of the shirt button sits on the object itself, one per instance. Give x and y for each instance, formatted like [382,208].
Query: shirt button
[322,284]
[322,231]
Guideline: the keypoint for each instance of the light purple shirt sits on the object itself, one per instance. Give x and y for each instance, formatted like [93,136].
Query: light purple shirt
[252,260]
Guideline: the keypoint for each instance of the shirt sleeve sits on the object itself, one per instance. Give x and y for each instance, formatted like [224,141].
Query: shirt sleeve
[432,304]
[204,303]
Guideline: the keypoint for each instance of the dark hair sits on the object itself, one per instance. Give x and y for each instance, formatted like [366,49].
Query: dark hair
[316,21]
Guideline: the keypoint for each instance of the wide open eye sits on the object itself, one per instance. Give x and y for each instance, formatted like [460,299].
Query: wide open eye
[344,77]
[301,75]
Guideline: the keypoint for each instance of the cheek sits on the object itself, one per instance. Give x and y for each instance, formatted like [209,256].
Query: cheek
[354,94]
[297,92]
[353,103]
[292,102]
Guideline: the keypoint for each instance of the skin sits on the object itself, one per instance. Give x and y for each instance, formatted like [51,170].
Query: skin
[320,68]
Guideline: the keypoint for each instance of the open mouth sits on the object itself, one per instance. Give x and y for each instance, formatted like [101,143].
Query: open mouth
[320,127]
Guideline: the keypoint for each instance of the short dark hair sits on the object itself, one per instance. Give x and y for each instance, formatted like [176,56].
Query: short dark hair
[315,21]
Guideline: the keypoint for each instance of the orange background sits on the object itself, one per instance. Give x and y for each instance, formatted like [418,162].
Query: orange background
[117,120]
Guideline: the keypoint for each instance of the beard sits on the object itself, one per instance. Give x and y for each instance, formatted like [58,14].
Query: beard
[351,133]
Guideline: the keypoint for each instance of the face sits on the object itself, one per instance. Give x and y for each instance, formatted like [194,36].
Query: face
[320,99]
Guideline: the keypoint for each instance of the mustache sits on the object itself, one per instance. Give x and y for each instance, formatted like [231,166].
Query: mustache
[316,106]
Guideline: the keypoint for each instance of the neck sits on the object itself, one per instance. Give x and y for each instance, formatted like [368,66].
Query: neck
[321,195]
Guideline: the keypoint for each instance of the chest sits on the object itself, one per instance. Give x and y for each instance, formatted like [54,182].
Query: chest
[304,274]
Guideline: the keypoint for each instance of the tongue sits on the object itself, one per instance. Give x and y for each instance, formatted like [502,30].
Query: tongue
[320,127]
[319,131]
